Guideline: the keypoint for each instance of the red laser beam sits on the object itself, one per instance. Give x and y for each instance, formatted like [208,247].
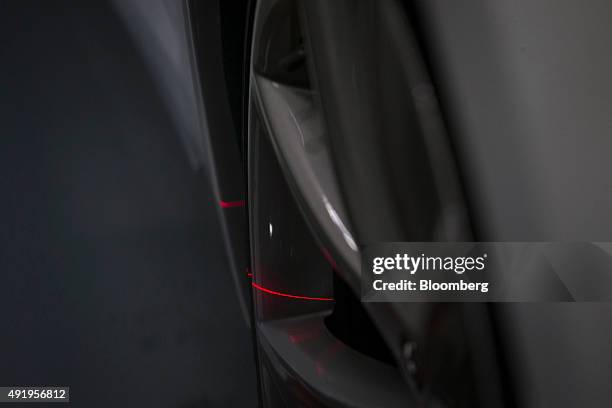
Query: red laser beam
[231,204]
[273,292]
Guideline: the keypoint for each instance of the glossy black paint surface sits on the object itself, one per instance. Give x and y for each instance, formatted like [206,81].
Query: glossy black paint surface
[113,278]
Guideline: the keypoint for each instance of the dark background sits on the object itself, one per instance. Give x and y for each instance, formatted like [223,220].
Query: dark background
[113,275]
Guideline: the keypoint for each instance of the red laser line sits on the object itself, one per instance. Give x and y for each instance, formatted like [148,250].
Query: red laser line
[231,204]
[273,292]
